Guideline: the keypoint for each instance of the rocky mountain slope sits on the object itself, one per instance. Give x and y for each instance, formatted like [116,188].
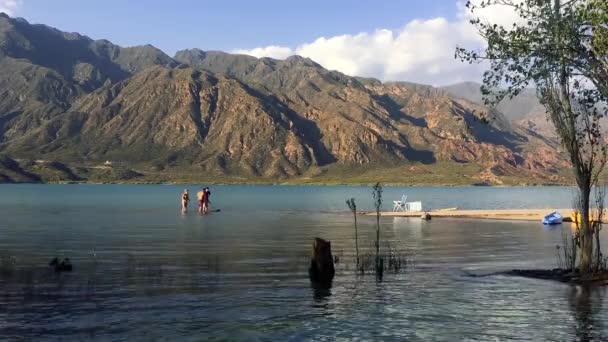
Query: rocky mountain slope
[69,103]
[524,109]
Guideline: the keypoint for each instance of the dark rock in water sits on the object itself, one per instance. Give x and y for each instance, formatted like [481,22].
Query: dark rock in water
[54,262]
[426,216]
[321,269]
[565,276]
[554,274]
[64,266]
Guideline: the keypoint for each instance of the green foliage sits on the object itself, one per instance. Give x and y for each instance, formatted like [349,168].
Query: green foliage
[352,205]
[123,173]
[440,174]
[560,48]
[538,43]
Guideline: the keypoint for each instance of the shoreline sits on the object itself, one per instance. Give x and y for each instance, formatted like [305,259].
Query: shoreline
[354,184]
[488,214]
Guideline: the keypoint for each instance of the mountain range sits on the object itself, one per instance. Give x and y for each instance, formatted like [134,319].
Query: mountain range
[77,109]
[525,110]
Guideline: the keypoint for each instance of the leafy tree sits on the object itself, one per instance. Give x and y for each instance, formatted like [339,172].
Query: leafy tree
[561,48]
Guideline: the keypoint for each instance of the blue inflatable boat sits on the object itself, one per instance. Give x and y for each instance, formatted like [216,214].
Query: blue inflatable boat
[553,218]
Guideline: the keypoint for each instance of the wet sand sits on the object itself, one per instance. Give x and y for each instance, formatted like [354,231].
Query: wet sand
[499,214]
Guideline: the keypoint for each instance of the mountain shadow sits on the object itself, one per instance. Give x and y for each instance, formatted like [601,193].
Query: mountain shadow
[396,113]
[488,131]
[307,130]
[5,119]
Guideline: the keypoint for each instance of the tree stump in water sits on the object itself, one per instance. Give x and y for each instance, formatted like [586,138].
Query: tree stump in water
[321,269]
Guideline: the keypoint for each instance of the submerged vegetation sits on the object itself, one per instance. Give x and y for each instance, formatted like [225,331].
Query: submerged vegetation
[392,260]
[570,250]
[377,193]
[353,208]
[377,259]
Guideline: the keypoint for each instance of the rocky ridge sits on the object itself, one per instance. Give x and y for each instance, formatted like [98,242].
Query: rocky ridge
[79,102]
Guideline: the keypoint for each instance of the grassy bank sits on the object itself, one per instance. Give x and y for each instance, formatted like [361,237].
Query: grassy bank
[437,174]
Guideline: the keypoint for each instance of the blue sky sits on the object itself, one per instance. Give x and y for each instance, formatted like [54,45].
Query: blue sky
[223,24]
[403,40]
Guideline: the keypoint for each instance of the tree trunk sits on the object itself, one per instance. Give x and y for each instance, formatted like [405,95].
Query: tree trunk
[321,269]
[596,231]
[583,172]
[573,251]
[586,231]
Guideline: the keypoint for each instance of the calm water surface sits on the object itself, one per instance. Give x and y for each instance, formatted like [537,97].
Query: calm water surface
[145,272]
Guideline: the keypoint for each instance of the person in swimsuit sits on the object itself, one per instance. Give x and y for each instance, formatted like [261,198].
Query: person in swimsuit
[185,201]
[207,200]
[201,200]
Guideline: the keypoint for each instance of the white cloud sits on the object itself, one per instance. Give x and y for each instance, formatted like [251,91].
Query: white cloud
[421,51]
[500,14]
[9,6]
[278,52]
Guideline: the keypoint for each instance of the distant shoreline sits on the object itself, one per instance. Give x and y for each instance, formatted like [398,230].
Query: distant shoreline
[354,184]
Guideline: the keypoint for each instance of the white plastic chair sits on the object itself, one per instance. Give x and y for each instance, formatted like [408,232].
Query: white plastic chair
[400,205]
[413,206]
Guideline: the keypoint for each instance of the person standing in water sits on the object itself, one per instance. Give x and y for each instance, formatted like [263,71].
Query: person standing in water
[185,201]
[207,201]
[202,198]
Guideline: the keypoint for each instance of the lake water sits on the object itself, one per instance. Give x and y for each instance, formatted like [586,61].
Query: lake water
[143,271]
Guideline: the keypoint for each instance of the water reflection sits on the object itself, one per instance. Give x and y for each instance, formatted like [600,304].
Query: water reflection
[243,273]
[586,305]
[321,292]
[414,224]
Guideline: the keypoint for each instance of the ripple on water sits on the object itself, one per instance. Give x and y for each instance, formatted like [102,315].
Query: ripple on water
[144,272]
